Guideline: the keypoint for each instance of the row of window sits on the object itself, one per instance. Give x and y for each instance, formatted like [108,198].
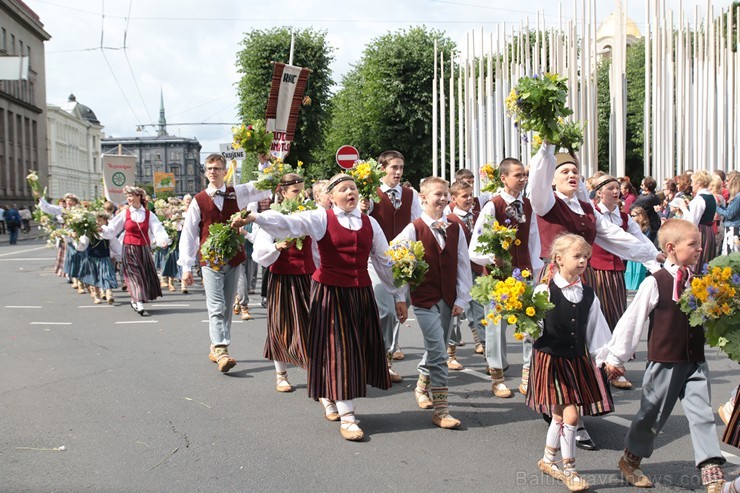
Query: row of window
[19,128]
[10,49]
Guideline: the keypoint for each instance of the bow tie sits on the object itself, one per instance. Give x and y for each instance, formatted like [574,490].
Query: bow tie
[440,227]
[469,220]
[226,195]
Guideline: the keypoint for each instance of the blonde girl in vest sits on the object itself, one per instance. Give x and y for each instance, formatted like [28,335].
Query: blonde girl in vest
[564,382]
[288,291]
[345,347]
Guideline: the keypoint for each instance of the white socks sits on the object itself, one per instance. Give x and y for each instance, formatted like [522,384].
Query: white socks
[552,442]
[281,366]
[346,411]
[568,442]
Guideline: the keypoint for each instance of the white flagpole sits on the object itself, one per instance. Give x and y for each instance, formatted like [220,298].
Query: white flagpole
[292,45]
[442,115]
[434,114]
[452,115]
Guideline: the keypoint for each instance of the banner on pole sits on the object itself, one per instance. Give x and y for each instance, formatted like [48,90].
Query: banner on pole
[164,182]
[286,95]
[118,171]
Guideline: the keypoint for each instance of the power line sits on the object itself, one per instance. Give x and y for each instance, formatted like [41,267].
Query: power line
[128,62]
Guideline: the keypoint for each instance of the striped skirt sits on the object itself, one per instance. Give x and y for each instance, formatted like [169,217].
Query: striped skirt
[557,381]
[609,287]
[59,263]
[287,318]
[345,346]
[732,432]
[99,272]
[708,246]
[140,274]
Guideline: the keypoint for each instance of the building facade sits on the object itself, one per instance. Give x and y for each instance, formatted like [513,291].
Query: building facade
[22,104]
[74,134]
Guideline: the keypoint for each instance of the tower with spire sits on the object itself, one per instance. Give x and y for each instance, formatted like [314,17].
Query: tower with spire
[162,128]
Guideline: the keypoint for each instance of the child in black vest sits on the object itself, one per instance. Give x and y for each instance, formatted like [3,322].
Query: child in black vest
[443,294]
[676,366]
[564,382]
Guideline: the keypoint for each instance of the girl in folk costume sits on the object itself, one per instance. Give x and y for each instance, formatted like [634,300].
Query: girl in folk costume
[288,291]
[567,210]
[564,382]
[346,351]
[634,271]
[731,215]
[97,269]
[138,224]
[170,269]
[71,257]
[606,271]
[701,211]
[61,245]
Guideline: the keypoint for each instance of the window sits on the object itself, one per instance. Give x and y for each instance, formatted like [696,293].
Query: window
[12,44]
[4,40]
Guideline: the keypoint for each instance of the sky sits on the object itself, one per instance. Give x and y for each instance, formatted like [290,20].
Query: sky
[187,48]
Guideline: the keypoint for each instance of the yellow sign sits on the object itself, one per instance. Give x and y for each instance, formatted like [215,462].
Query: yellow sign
[164,182]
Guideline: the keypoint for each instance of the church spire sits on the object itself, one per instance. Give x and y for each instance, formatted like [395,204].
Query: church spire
[162,129]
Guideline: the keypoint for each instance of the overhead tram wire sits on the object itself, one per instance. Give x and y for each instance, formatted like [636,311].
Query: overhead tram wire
[128,62]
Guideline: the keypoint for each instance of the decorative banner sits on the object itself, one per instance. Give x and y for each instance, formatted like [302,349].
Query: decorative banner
[118,171]
[286,96]
[164,182]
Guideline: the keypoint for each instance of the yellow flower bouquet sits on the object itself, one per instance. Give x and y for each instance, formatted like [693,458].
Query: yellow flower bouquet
[222,244]
[367,175]
[489,173]
[268,178]
[713,301]
[290,206]
[514,301]
[407,262]
[252,138]
[496,239]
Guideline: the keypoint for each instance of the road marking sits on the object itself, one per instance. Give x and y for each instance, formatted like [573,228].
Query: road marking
[21,306]
[165,305]
[95,306]
[51,323]
[734,459]
[25,259]
[478,374]
[137,322]
[23,251]
[233,321]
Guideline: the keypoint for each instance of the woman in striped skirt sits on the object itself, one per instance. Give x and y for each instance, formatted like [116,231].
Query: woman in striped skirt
[701,211]
[288,291]
[68,258]
[345,346]
[60,244]
[97,269]
[564,382]
[605,273]
[138,223]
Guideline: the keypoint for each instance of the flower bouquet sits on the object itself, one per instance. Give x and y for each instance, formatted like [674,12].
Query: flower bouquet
[169,213]
[713,301]
[289,206]
[252,138]
[223,243]
[33,181]
[571,138]
[367,176]
[79,222]
[407,262]
[513,300]
[490,174]
[269,178]
[537,104]
[496,239]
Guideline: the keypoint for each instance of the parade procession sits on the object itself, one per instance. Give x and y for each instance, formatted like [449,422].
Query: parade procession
[498,263]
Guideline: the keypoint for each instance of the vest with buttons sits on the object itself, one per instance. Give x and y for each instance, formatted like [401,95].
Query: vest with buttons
[564,332]
[293,261]
[455,219]
[670,337]
[603,260]
[209,214]
[440,281]
[561,219]
[519,254]
[344,254]
[393,221]
[136,233]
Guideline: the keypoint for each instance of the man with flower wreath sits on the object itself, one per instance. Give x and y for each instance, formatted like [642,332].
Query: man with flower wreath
[216,204]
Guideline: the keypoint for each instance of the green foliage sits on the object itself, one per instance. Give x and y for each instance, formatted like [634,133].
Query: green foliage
[386,101]
[311,50]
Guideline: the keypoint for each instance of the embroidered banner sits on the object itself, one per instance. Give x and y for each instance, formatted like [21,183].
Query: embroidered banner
[286,95]
[118,171]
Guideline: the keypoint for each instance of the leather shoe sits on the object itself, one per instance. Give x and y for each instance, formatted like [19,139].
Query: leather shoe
[586,444]
[445,421]
[398,355]
[395,376]
[634,475]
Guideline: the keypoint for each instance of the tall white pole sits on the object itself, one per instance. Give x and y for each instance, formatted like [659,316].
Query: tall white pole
[434,114]
[442,115]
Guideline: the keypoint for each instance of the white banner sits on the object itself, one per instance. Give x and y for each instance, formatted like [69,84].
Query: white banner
[118,172]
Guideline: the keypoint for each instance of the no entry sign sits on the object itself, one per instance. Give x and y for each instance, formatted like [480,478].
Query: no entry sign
[346,156]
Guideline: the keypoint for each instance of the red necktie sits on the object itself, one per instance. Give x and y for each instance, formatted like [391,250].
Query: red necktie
[682,275]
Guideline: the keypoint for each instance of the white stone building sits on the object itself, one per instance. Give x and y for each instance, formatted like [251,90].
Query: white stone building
[74,134]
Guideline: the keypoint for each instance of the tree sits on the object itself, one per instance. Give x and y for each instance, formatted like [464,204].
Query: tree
[386,100]
[311,50]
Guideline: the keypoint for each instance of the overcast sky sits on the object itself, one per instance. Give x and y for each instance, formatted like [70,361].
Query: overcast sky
[187,48]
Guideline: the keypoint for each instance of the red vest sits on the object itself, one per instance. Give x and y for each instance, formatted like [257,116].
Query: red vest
[293,261]
[561,219]
[455,219]
[519,254]
[209,214]
[670,337]
[393,221]
[344,254]
[476,207]
[136,233]
[440,281]
[603,260]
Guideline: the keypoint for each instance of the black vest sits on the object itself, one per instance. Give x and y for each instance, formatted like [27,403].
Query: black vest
[564,334]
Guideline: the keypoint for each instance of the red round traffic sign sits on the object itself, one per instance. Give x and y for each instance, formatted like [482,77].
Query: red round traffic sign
[346,156]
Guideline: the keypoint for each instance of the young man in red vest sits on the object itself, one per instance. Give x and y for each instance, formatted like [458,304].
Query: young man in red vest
[676,369]
[398,206]
[509,207]
[216,204]
[444,293]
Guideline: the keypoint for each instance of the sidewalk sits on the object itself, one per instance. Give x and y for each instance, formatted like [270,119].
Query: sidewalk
[34,234]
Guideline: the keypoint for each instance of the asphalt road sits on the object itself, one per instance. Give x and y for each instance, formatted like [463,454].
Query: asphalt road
[138,406]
